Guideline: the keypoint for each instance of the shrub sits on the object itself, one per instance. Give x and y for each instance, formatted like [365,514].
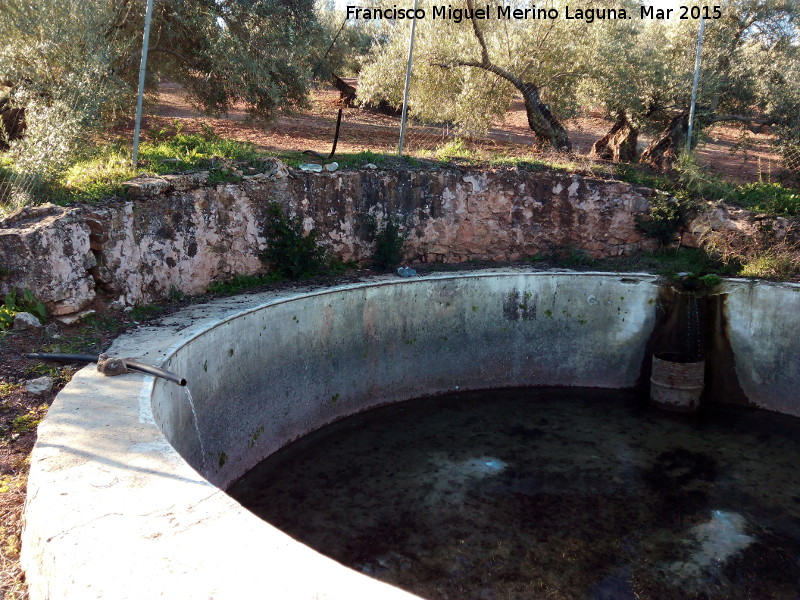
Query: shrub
[389,240]
[289,252]
[664,217]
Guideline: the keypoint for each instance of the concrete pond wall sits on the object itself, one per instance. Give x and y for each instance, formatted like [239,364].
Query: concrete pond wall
[126,486]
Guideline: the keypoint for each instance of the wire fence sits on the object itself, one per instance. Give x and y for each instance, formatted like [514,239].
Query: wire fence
[378,128]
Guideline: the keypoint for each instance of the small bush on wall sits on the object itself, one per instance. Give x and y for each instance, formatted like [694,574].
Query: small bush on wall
[389,240]
[290,253]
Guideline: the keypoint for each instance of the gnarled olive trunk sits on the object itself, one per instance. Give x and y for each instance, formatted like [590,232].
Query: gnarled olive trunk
[12,124]
[662,153]
[619,144]
[544,125]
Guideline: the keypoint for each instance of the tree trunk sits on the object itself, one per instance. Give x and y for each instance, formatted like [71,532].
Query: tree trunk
[619,144]
[544,125]
[12,124]
[662,153]
[347,93]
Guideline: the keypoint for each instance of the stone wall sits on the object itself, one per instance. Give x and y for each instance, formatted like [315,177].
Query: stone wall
[179,232]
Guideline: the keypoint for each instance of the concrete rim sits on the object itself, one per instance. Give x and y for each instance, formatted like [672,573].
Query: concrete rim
[114,511]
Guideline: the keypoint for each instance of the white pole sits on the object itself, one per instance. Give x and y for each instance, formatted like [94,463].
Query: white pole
[408,83]
[694,85]
[142,69]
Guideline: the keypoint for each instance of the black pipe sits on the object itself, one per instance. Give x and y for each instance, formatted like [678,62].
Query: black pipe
[154,371]
[66,358]
[129,362]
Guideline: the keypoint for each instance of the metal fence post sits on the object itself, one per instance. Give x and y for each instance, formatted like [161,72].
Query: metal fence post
[408,83]
[142,69]
[694,85]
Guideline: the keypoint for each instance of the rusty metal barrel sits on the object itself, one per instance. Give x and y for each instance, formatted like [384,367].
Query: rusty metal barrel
[676,382]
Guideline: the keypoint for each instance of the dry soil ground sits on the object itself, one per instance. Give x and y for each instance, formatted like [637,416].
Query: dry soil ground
[736,153]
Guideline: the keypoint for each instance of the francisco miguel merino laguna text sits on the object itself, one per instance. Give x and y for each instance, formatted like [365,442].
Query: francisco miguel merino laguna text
[501,12]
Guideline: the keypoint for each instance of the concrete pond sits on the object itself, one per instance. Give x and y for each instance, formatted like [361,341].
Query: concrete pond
[127,490]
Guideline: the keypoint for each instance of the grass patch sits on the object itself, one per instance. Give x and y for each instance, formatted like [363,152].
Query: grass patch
[100,171]
[143,312]
[772,198]
[772,264]
[241,283]
[98,176]
[672,261]
[354,160]
[29,421]
[638,175]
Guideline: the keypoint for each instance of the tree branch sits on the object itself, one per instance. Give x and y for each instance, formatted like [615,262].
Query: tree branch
[747,119]
[479,34]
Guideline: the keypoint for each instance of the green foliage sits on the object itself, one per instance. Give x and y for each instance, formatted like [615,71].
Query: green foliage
[771,264]
[450,83]
[175,152]
[6,318]
[664,217]
[670,262]
[771,198]
[98,176]
[290,253]
[389,240]
[640,175]
[710,281]
[455,148]
[99,172]
[28,422]
[17,301]
[352,42]
[695,180]
[73,66]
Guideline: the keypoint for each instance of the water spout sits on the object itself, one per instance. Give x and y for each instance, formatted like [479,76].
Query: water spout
[197,428]
[127,362]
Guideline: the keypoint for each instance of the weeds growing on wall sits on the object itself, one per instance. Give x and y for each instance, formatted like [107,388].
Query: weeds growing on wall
[664,218]
[290,253]
[389,240]
[20,301]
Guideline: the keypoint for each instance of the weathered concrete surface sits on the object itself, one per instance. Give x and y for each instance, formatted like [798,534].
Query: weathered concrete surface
[763,321]
[115,511]
[271,376]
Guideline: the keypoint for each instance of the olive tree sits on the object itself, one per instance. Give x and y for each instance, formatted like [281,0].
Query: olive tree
[468,72]
[72,65]
[749,74]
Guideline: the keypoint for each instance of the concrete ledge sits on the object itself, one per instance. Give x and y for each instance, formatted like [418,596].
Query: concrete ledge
[124,496]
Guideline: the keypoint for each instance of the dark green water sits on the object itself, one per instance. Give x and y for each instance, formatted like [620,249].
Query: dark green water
[547,493]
